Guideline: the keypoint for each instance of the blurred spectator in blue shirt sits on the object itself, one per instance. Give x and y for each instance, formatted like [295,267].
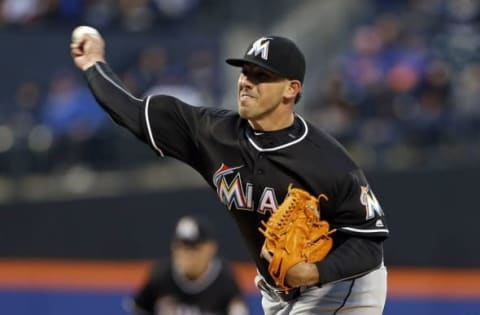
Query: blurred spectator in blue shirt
[73,116]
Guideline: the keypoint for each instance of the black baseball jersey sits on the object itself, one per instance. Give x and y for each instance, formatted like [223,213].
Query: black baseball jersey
[168,292]
[251,170]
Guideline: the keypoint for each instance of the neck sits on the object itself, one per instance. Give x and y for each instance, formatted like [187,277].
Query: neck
[197,273]
[272,123]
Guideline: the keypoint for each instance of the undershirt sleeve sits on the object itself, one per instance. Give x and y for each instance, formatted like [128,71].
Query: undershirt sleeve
[352,258]
[123,107]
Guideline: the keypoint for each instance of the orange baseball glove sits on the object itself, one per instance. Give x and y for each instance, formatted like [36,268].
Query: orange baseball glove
[294,233]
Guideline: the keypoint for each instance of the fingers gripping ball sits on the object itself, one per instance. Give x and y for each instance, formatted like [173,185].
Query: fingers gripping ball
[294,233]
[80,31]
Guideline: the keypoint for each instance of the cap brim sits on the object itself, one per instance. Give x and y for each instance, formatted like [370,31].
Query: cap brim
[190,242]
[237,62]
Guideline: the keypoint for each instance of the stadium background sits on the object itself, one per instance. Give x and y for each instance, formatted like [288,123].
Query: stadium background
[84,208]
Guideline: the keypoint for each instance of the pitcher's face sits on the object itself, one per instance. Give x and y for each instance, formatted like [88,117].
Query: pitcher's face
[260,92]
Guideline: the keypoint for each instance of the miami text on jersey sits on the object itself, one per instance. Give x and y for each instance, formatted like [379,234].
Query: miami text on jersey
[231,190]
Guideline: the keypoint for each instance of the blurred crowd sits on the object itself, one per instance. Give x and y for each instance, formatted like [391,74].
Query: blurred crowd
[402,92]
[130,15]
[140,15]
[405,90]
[53,126]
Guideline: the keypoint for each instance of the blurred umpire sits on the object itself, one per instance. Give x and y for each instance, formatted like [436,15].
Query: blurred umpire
[194,280]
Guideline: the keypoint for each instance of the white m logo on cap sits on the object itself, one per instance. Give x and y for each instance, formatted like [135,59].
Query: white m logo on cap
[260,46]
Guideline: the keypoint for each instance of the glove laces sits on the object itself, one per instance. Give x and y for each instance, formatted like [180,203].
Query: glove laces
[279,222]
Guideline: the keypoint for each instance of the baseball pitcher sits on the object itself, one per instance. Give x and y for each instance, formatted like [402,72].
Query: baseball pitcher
[310,219]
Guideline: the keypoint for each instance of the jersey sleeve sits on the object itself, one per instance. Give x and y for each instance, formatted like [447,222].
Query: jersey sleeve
[173,128]
[231,292]
[146,296]
[358,211]
[123,107]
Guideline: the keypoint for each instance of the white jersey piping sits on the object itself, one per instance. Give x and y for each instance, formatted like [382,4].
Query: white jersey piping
[364,230]
[196,286]
[258,148]
[149,128]
[150,134]
[103,74]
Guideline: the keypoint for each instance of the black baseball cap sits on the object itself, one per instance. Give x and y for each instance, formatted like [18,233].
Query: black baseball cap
[277,54]
[192,230]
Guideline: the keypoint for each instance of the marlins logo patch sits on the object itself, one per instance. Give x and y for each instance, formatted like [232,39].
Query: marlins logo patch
[223,170]
[260,47]
[372,206]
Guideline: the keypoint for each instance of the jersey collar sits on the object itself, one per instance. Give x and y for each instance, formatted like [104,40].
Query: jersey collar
[200,284]
[258,147]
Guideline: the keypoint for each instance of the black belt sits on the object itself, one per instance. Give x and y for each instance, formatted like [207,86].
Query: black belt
[285,295]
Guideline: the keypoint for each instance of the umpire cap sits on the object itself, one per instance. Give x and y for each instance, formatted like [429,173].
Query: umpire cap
[192,230]
[277,54]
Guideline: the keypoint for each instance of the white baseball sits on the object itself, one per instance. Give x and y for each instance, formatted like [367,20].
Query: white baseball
[82,30]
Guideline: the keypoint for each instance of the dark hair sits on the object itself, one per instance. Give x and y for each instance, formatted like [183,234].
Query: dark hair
[298,97]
